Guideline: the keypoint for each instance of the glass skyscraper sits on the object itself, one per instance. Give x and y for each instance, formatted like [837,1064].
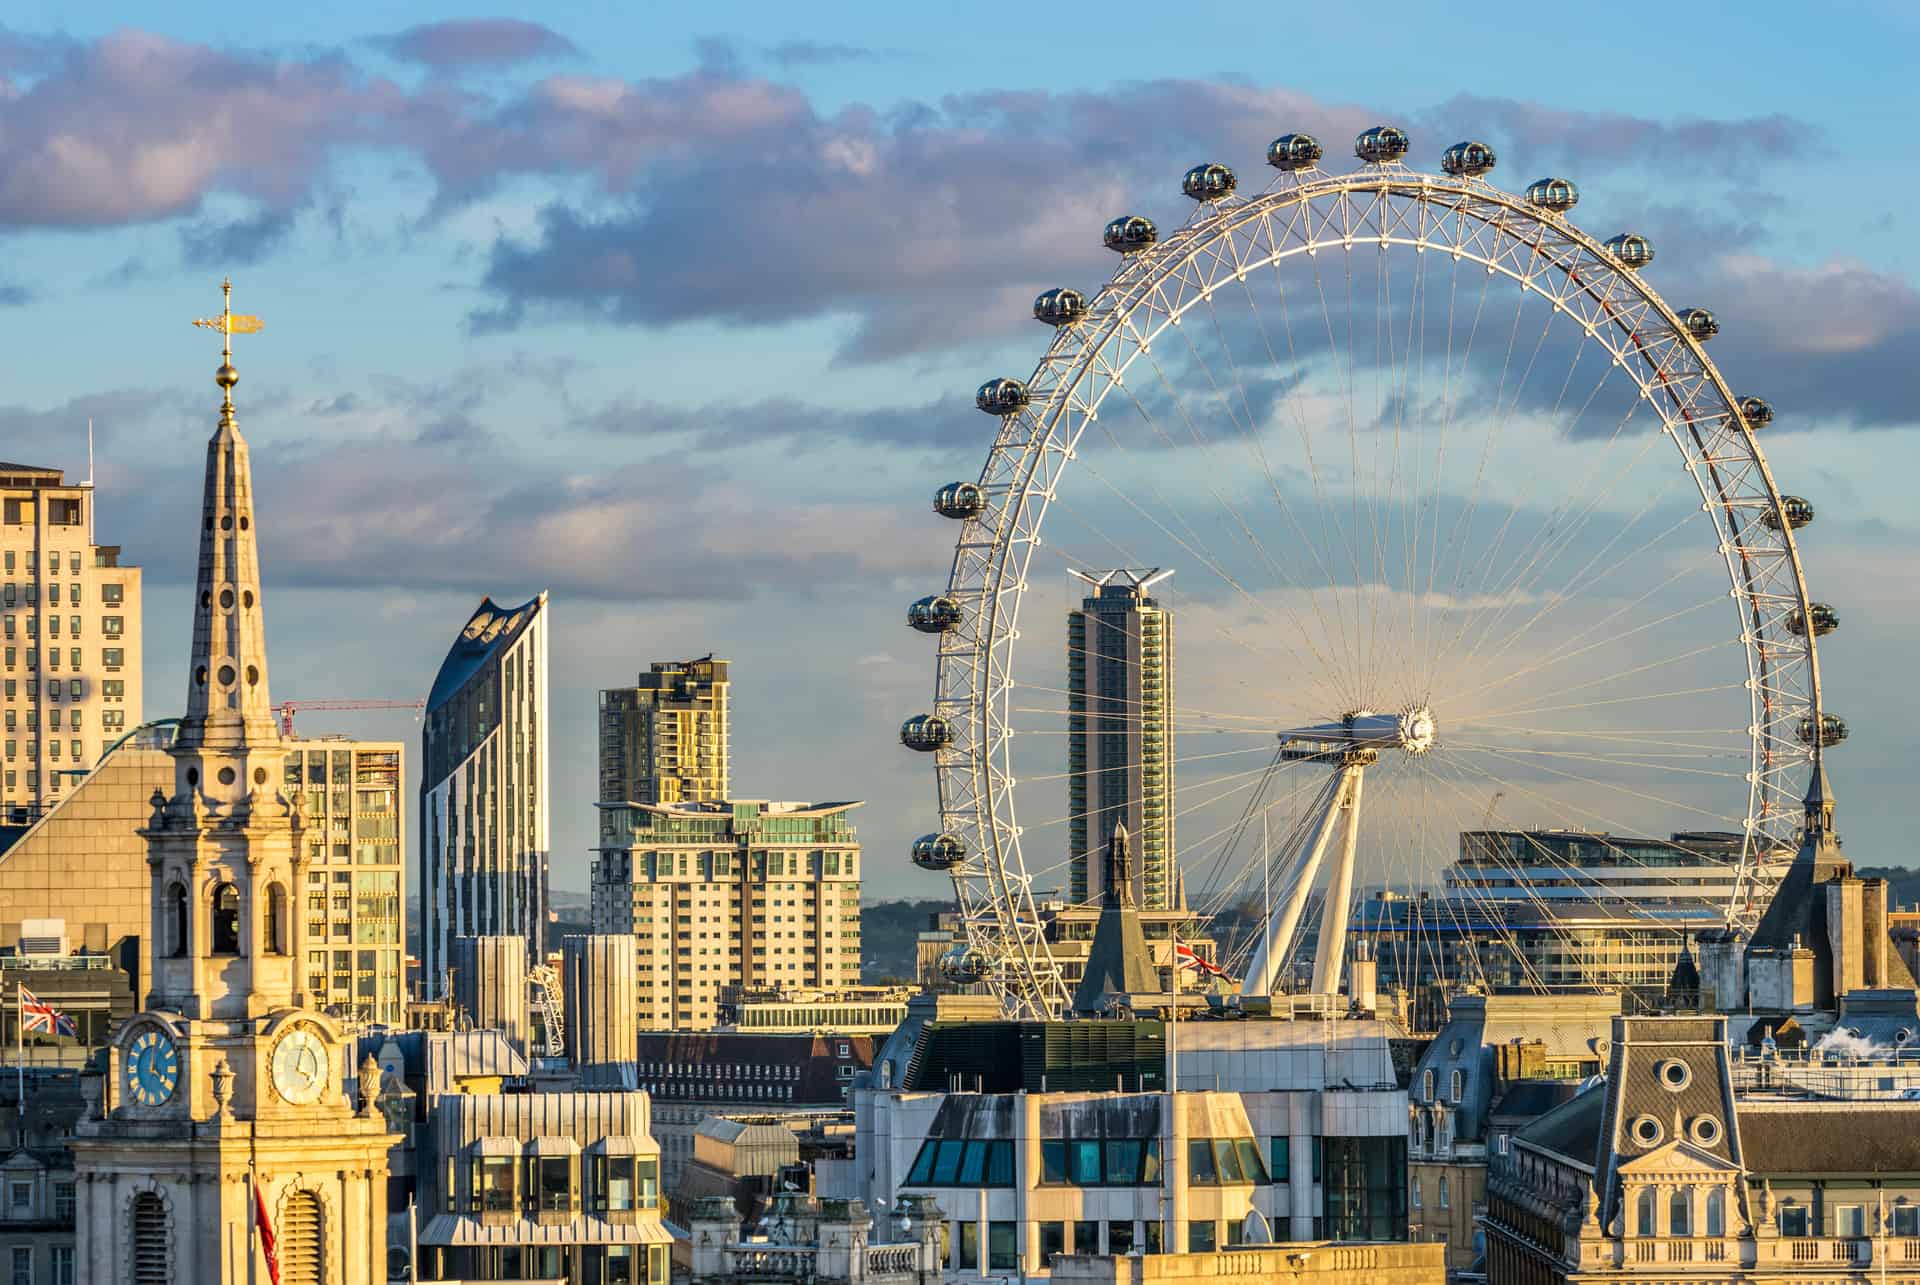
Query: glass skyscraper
[1120,733]
[484,835]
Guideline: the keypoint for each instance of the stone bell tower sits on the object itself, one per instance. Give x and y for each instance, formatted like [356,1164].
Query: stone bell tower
[227,1078]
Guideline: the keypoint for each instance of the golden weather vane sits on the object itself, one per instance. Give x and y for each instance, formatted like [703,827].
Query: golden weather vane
[229,324]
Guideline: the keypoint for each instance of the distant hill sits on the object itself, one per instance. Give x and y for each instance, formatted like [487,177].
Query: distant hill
[1903,884]
[888,930]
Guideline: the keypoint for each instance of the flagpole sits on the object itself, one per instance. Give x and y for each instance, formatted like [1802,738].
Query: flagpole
[20,1054]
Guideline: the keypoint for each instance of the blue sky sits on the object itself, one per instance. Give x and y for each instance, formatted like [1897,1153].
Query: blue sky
[678,312]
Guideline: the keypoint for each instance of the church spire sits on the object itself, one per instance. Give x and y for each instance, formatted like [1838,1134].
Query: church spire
[228,708]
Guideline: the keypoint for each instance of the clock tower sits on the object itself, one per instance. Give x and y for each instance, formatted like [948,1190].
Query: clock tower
[227,1077]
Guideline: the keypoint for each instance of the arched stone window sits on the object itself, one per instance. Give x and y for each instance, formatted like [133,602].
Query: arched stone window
[226,919]
[1717,1212]
[302,1240]
[276,943]
[1645,1212]
[1680,1212]
[175,910]
[147,1241]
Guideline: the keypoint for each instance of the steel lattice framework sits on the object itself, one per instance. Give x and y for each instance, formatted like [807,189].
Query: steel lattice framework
[1391,207]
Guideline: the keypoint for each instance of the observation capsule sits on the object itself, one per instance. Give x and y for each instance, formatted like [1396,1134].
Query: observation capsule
[1825,620]
[1557,195]
[959,500]
[1699,323]
[935,614]
[1799,512]
[938,852]
[1632,250]
[1833,730]
[1381,145]
[1061,307]
[1209,182]
[963,966]
[926,733]
[1001,396]
[1467,160]
[1756,411]
[1294,152]
[1130,233]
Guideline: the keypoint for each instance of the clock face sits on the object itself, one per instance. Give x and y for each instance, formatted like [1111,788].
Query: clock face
[300,1066]
[151,1067]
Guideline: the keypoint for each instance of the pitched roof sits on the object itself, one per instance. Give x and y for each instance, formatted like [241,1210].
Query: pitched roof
[1799,1137]
[1571,1129]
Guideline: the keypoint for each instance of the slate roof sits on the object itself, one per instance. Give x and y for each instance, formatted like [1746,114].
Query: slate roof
[1849,1138]
[1571,1129]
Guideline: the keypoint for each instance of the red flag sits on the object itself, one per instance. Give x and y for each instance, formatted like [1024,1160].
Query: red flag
[265,1224]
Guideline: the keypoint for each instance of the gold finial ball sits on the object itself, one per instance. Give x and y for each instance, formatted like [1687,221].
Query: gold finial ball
[226,376]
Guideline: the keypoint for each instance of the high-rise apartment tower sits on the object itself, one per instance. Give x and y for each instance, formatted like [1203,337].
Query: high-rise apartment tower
[484,836]
[1120,734]
[356,874]
[749,894]
[664,740]
[69,637]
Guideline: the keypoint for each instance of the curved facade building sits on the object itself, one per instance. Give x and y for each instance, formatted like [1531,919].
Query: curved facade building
[483,789]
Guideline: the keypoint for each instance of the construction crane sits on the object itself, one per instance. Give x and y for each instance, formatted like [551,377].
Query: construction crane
[287,709]
[543,985]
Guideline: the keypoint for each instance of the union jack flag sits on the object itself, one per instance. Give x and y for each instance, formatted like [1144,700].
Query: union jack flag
[38,1016]
[1190,958]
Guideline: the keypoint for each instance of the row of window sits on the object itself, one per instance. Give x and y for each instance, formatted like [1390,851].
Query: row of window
[1089,1162]
[20,1270]
[53,749]
[110,719]
[112,659]
[60,512]
[1118,1237]
[111,626]
[20,1200]
[552,1184]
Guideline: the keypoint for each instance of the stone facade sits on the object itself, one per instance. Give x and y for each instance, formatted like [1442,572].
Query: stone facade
[230,1087]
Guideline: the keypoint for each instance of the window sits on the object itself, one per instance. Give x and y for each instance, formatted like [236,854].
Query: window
[62,1258]
[113,658]
[151,1257]
[1003,1250]
[1120,1237]
[176,920]
[63,1200]
[1680,1212]
[22,1260]
[966,1246]
[1456,1085]
[1445,1193]
[276,919]
[226,920]
[1413,1191]
[20,1198]
[300,1235]
[493,1185]
[1200,1170]
[1849,1220]
[1426,1084]
[555,1183]
[1200,1237]
[1053,1240]
[1278,1158]
[1053,1161]
[1644,1211]
[1793,1220]
[1717,1212]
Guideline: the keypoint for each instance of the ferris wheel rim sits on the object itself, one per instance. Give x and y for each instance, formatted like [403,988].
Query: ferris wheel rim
[975,668]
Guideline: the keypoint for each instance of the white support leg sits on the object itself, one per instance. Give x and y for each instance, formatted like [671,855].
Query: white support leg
[1278,934]
[1337,910]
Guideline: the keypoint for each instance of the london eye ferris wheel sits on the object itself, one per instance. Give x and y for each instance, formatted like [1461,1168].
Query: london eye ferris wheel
[1461,511]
